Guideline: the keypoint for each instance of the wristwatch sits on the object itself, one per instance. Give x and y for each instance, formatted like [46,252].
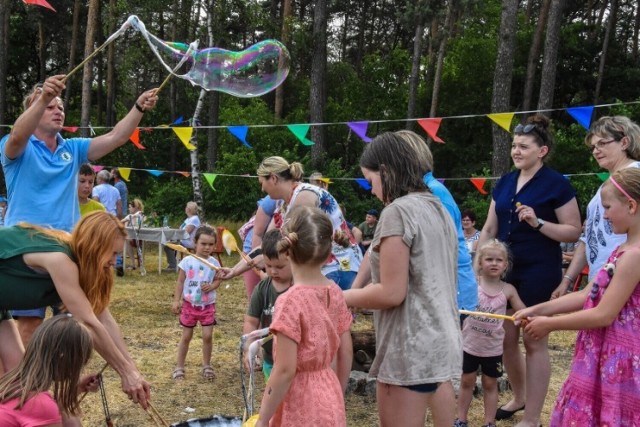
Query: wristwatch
[540,224]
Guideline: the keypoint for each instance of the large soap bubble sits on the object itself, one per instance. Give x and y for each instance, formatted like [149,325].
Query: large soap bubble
[257,70]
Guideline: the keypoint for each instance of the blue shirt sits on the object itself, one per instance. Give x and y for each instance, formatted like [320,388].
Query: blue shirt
[537,259]
[42,187]
[122,189]
[467,286]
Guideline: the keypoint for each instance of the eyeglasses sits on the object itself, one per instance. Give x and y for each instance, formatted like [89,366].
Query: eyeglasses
[601,144]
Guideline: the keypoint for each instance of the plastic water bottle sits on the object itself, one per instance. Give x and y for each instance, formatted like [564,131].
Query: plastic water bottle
[165,222]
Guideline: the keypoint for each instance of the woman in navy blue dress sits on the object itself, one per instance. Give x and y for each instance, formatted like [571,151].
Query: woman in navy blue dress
[532,210]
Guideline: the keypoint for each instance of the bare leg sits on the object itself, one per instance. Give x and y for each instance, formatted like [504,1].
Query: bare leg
[27,326]
[490,393]
[183,347]
[11,350]
[514,365]
[538,376]
[398,403]
[70,421]
[207,344]
[467,383]
[442,405]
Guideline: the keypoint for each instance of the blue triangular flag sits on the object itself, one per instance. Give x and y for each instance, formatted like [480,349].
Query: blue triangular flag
[240,132]
[582,115]
[178,121]
[155,172]
[363,183]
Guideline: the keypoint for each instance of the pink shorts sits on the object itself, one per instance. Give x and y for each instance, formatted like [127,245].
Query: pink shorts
[192,314]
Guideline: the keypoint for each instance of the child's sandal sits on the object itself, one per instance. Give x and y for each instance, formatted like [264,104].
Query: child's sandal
[178,374]
[207,373]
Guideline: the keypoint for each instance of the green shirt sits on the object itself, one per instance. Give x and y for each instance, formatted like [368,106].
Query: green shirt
[261,306]
[367,230]
[22,287]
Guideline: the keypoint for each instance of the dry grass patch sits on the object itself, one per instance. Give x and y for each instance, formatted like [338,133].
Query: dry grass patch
[141,305]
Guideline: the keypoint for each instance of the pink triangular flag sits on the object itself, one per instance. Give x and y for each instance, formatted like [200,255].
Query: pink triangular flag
[431,127]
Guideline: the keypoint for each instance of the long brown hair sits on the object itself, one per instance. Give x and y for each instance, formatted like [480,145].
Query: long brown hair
[91,243]
[55,356]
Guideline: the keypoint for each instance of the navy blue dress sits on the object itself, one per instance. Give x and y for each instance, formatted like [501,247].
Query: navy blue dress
[537,259]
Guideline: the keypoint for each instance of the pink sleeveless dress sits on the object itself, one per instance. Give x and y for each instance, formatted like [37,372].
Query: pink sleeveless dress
[603,387]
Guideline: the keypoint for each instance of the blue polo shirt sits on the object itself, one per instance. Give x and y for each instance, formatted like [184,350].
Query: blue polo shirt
[42,187]
[467,286]
[537,259]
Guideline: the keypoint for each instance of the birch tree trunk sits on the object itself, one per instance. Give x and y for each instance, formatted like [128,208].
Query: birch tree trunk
[111,67]
[550,61]
[502,79]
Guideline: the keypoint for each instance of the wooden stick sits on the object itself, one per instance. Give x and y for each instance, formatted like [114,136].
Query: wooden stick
[163,84]
[483,314]
[87,59]
[99,373]
[184,250]
[161,420]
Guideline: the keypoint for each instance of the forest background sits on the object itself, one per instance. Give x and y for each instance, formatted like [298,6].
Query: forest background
[388,62]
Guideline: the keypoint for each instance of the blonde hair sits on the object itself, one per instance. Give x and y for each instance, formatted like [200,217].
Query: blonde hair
[276,165]
[192,207]
[306,235]
[492,245]
[629,180]
[137,203]
[55,356]
[616,127]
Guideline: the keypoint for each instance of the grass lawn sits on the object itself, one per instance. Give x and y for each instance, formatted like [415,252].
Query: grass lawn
[141,305]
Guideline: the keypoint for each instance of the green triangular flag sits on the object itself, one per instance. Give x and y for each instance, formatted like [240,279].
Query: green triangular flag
[210,177]
[603,176]
[300,131]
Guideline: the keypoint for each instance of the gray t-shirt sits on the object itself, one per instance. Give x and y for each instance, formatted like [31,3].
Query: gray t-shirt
[419,341]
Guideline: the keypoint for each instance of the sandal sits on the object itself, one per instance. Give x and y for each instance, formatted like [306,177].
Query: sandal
[178,374]
[207,373]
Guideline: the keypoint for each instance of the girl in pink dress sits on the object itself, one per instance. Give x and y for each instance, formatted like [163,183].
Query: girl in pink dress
[604,383]
[313,350]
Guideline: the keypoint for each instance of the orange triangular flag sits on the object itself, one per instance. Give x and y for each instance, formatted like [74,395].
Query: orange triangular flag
[135,138]
[431,126]
[124,173]
[185,174]
[502,119]
[184,134]
[479,183]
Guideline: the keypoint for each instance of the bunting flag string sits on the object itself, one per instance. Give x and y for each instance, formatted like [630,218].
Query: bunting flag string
[477,182]
[431,126]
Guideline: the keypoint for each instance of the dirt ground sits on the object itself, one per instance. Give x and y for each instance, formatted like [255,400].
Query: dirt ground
[141,305]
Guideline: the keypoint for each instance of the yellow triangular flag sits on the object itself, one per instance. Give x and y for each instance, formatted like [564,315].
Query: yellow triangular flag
[184,133]
[502,119]
[124,173]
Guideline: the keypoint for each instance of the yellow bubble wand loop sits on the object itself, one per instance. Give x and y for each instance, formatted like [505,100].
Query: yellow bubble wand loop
[231,245]
[484,314]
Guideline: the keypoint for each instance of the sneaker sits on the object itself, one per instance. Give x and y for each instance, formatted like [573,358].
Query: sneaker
[458,423]
[119,271]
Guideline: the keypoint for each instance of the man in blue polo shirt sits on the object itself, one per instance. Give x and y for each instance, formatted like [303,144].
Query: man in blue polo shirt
[41,168]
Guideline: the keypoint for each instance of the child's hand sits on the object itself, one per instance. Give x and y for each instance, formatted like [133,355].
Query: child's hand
[225,273]
[175,307]
[207,287]
[538,327]
[216,284]
[89,383]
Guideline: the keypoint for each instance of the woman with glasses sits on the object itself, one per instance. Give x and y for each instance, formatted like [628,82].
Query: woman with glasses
[615,144]
[533,208]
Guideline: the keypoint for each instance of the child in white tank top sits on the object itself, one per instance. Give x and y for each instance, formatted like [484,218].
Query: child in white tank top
[482,336]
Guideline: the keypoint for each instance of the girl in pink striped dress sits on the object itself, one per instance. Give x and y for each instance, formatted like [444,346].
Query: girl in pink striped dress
[604,383]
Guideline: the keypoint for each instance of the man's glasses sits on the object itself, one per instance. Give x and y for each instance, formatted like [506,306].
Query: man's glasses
[601,144]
